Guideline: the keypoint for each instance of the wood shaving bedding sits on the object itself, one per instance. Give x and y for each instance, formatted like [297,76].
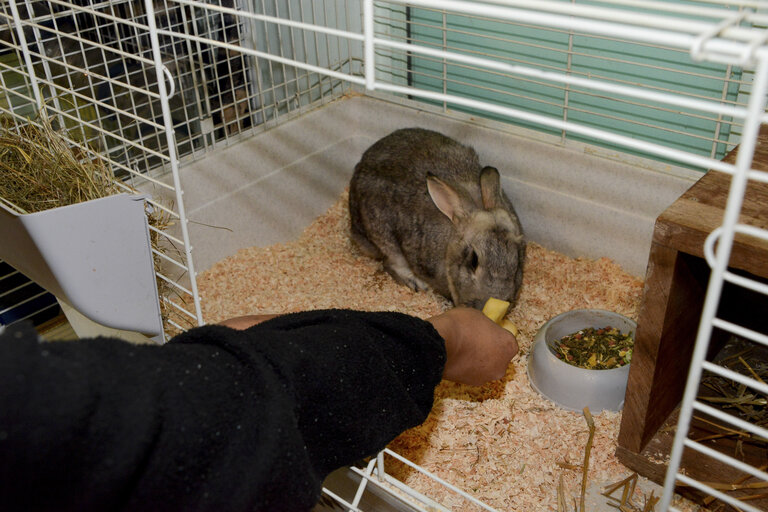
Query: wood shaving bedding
[502,443]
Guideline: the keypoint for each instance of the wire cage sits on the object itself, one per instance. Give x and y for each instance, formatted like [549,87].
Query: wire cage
[151,86]
[22,299]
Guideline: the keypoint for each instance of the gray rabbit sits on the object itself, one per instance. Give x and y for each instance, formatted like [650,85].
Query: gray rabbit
[420,201]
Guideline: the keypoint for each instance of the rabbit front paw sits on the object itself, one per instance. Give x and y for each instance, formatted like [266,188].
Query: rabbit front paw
[399,269]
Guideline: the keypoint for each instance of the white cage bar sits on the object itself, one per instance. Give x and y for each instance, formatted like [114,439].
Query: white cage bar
[287,57]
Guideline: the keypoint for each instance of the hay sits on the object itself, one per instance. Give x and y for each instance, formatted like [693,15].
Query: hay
[41,170]
[748,359]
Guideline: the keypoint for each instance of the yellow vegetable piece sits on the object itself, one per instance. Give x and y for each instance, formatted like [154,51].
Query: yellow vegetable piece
[495,309]
[510,327]
[592,360]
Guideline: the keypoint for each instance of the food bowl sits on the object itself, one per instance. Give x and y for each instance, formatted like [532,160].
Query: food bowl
[569,386]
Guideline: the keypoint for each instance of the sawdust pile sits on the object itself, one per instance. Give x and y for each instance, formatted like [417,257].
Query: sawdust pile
[502,443]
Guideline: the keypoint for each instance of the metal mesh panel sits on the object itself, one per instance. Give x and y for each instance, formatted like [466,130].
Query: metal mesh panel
[672,81]
[521,47]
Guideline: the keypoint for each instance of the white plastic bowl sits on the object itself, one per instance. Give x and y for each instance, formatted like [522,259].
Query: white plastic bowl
[569,386]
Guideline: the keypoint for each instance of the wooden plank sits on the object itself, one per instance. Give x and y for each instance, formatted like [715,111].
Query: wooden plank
[658,282]
[699,211]
[668,319]
[666,331]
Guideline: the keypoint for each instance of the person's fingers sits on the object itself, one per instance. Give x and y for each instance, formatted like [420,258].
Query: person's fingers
[511,344]
[478,349]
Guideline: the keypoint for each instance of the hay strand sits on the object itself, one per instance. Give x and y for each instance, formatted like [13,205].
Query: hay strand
[587,450]
[625,504]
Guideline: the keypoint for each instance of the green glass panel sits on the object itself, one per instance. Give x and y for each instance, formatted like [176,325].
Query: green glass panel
[659,69]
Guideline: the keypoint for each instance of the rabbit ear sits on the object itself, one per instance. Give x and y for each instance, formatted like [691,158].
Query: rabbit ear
[490,187]
[445,198]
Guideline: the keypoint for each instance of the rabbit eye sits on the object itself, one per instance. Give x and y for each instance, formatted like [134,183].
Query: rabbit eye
[473,261]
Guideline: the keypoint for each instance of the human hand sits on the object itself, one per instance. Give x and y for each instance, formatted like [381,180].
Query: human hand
[244,322]
[478,350]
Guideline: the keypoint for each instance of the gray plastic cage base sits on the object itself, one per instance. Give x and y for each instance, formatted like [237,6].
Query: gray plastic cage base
[95,256]
[575,199]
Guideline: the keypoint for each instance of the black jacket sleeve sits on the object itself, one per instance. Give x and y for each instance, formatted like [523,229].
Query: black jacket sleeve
[216,419]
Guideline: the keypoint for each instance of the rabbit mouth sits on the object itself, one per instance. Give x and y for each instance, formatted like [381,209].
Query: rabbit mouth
[473,303]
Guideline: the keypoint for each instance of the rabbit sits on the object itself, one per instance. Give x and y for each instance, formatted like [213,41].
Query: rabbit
[421,202]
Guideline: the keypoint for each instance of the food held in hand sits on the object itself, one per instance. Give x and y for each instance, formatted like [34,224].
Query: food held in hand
[495,309]
[508,325]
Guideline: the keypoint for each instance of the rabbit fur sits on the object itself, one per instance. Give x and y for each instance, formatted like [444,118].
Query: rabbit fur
[421,202]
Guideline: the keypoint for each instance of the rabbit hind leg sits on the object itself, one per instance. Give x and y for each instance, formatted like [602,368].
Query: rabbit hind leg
[394,262]
[398,268]
[366,246]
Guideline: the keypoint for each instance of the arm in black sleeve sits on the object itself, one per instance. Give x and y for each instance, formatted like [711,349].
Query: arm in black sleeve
[217,419]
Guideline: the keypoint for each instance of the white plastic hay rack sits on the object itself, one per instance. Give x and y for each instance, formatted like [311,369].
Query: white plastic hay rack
[563,72]
[94,256]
